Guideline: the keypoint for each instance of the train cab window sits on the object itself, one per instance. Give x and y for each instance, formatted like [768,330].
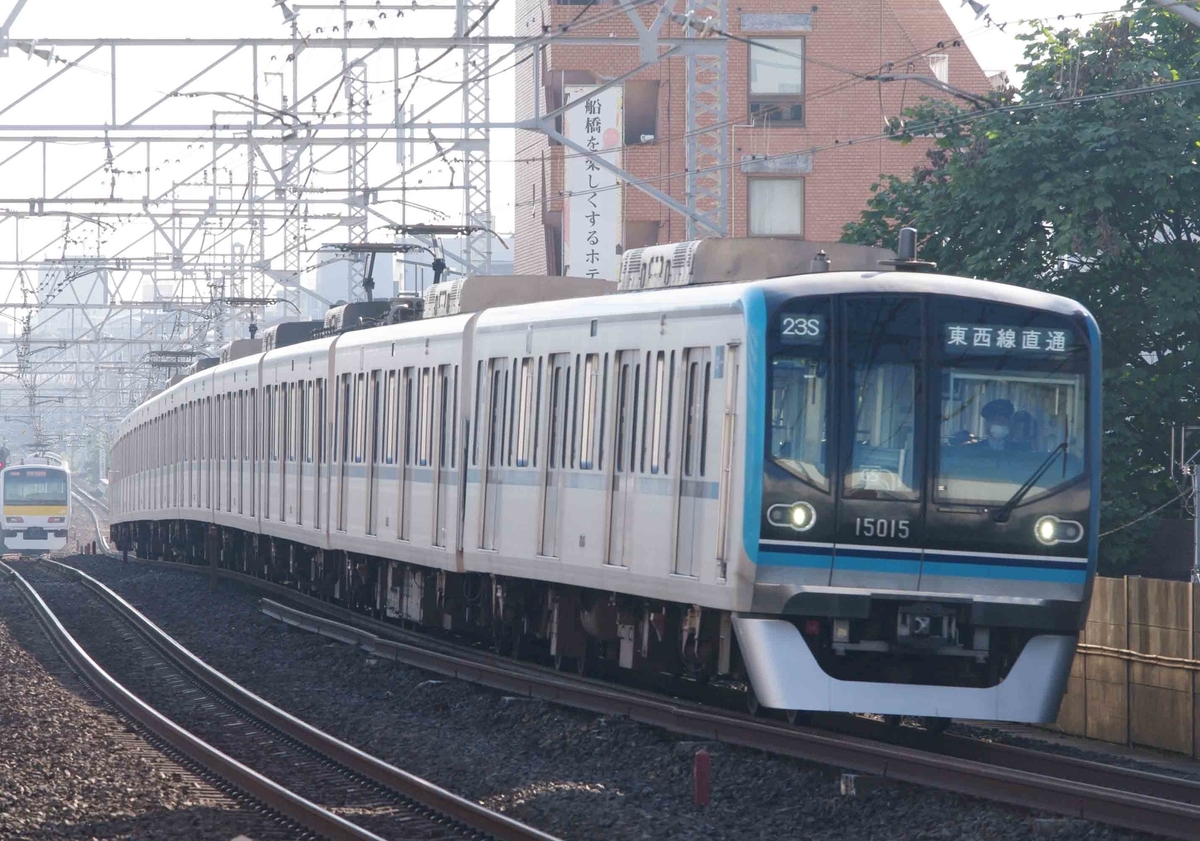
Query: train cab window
[1012,402]
[797,437]
[883,346]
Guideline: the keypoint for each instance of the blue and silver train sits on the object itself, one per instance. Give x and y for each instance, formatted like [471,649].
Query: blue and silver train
[868,490]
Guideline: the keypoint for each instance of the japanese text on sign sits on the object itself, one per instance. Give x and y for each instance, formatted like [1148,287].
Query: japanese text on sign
[592,217]
[989,338]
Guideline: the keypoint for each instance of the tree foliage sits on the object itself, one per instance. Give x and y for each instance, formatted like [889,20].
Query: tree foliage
[1075,188]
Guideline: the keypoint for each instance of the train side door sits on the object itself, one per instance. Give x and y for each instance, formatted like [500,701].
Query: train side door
[879,518]
[555,435]
[698,466]
[629,375]
[497,414]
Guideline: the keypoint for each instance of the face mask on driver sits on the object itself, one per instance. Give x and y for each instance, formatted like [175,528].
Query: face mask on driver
[998,430]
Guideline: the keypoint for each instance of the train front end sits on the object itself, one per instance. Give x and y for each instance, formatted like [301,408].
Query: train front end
[925,525]
[37,508]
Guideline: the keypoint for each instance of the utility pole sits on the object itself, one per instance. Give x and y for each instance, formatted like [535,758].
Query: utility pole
[1189,466]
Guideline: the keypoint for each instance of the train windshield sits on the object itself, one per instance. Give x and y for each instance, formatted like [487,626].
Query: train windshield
[1013,392]
[800,394]
[35,487]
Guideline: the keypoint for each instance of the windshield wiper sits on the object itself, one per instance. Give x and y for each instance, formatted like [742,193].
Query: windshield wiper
[1003,513]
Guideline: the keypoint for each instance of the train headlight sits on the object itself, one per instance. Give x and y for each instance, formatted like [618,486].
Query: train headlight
[1050,530]
[799,516]
[803,516]
[14,519]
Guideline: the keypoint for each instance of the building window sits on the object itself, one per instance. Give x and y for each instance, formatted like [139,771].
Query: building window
[776,207]
[940,65]
[777,80]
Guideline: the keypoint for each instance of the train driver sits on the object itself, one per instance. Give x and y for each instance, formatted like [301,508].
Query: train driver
[997,421]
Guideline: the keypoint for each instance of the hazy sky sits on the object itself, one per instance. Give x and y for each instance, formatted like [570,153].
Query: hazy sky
[84,99]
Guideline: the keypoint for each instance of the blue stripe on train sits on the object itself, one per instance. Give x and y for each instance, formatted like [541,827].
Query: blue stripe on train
[962,566]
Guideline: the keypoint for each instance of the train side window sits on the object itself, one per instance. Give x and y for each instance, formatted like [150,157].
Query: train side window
[524,412]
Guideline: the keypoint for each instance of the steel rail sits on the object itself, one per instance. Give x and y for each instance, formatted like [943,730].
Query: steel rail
[423,792]
[304,812]
[1023,777]
[82,497]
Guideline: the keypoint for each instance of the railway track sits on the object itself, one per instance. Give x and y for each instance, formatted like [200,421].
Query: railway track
[91,504]
[332,789]
[1023,777]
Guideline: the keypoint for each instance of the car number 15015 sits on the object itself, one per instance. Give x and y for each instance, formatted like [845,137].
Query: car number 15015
[871,527]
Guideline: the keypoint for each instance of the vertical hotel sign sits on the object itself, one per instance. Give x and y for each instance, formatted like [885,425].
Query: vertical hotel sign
[592,209]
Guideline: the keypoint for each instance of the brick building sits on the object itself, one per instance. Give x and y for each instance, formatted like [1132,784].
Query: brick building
[808,95]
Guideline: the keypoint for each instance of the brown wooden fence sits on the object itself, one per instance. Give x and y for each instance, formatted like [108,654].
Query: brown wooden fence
[1134,676]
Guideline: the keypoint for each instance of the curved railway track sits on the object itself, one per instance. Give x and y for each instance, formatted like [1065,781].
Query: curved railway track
[324,785]
[1033,779]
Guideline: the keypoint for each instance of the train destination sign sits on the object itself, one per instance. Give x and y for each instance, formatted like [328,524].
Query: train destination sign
[801,328]
[993,338]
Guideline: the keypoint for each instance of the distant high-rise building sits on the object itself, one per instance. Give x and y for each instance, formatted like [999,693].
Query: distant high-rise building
[66,287]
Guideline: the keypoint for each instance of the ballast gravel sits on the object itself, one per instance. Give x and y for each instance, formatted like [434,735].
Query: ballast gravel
[575,774]
[71,769]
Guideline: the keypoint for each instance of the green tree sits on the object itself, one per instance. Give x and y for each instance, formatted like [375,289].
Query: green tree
[1074,188]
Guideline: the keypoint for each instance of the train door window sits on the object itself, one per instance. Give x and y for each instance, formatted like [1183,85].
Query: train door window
[477,414]
[443,403]
[425,440]
[883,343]
[622,428]
[389,418]
[360,418]
[406,415]
[525,412]
[635,389]
[704,419]
[603,411]
[303,420]
[574,402]
[555,413]
[514,409]
[496,415]
[591,377]
[376,430]
[454,421]
[658,398]
[319,425]
[568,412]
[695,409]
[341,442]
[670,414]
[537,410]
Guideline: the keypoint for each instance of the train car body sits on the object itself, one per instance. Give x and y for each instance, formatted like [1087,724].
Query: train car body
[36,507]
[861,491]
